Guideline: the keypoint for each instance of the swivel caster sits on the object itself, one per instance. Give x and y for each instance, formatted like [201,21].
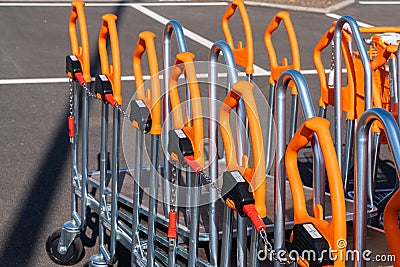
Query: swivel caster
[73,255]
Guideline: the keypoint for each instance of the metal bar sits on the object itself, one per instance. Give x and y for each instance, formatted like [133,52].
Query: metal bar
[85,155]
[193,181]
[136,198]
[362,136]
[338,75]
[254,243]
[394,97]
[375,149]
[270,124]
[216,49]
[170,27]
[114,185]
[293,115]
[74,153]
[226,248]
[153,192]
[347,154]
[103,172]
[279,172]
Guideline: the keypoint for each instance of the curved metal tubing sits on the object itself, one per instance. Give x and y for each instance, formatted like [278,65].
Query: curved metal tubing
[361,179]
[170,27]
[279,172]
[216,49]
[338,75]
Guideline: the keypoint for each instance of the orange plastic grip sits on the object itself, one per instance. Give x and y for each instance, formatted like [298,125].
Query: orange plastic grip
[335,230]
[391,226]
[244,56]
[380,29]
[113,72]
[150,97]
[81,52]
[348,92]
[277,69]
[184,63]
[255,176]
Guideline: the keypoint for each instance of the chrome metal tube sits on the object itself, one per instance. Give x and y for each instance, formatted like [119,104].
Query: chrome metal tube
[338,75]
[153,194]
[170,27]
[216,49]
[74,152]
[136,197]
[103,172]
[85,156]
[362,135]
[114,185]
[279,172]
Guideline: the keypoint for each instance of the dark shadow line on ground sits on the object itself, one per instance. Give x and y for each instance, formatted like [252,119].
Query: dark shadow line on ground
[20,243]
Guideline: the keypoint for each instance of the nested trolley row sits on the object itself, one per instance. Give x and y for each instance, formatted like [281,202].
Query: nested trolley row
[198,197]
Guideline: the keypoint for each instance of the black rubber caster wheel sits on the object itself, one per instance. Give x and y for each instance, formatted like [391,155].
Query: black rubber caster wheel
[74,253]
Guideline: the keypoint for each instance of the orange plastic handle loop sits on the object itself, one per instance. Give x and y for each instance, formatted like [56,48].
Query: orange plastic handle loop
[184,63]
[327,93]
[335,230]
[385,52]
[244,56]
[152,100]
[113,72]
[391,226]
[255,175]
[81,52]
[277,69]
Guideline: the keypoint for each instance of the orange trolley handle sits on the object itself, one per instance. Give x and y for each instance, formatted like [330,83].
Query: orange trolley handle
[255,176]
[244,56]
[113,72]
[81,52]
[327,98]
[335,230]
[150,97]
[184,63]
[277,69]
[391,225]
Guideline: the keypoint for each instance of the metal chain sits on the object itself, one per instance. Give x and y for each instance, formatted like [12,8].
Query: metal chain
[205,179]
[71,98]
[92,95]
[332,55]
[174,176]
[88,92]
[268,249]
[123,112]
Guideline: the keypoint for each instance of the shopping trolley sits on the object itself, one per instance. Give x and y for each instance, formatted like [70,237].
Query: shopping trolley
[65,246]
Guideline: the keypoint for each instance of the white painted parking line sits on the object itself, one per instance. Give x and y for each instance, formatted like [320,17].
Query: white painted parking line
[132,78]
[68,4]
[336,16]
[379,2]
[190,34]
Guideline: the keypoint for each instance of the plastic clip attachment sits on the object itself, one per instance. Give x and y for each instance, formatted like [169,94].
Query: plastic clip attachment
[179,146]
[103,90]
[73,66]
[140,116]
[237,195]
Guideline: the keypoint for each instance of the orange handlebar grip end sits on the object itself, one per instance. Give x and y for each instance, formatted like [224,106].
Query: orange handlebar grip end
[244,56]
[113,72]
[150,97]
[82,53]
